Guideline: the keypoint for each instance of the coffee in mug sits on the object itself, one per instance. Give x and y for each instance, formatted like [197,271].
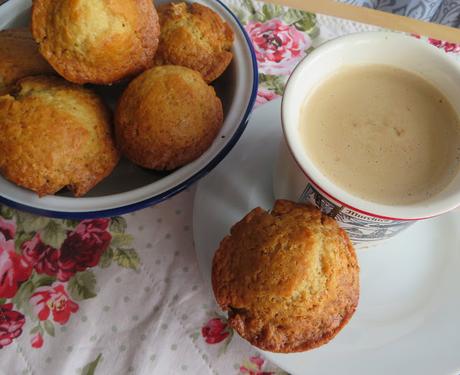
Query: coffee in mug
[382,133]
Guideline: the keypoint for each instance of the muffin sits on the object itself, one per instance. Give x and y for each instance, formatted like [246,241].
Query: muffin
[99,42]
[289,279]
[194,36]
[54,134]
[19,57]
[167,117]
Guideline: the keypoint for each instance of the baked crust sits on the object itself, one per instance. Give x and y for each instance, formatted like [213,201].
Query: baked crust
[54,134]
[289,279]
[96,41]
[19,58]
[167,117]
[194,36]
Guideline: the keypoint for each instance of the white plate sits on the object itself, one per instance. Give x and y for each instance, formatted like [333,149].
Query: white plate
[408,318]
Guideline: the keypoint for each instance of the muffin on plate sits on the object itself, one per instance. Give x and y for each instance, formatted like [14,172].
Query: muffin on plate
[19,58]
[54,134]
[167,117]
[95,41]
[289,279]
[194,36]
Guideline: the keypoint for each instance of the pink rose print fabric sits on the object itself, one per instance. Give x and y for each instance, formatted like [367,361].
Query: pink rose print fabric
[53,300]
[279,47]
[83,247]
[37,341]
[42,257]
[264,96]
[11,323]
[254,367]
[444,45]
[7,228]
[14,269]
[215,331]
[281,39]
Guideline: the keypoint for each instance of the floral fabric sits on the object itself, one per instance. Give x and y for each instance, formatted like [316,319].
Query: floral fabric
[124,295]
[45,268]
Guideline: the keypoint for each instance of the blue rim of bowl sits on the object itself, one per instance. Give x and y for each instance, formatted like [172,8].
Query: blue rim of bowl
[175,190]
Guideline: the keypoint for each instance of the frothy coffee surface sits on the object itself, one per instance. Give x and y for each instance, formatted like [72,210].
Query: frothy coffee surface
[382,134]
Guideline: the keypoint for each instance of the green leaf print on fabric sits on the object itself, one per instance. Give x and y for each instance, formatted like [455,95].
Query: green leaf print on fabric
[82,285]
[2,301]
[268,12]
[36,329]
[303,21]
[90,368]
[30,223]
[252,11]
[21,299]
[228,340]
[118,224]
[119,250]
[71,223]
[6,212]
[106,258]
[49,327]
[42,280]
[121,240]
[273,83]
[53,234]
[22,237]
[127,258]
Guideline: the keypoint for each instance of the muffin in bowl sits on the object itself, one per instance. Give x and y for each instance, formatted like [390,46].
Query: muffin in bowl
[19,58]
[167,117]
[53,135]
[194,36]
[289,279]
[96,41]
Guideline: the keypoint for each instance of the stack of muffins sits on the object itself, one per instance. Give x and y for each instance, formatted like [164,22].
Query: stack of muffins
[56,133]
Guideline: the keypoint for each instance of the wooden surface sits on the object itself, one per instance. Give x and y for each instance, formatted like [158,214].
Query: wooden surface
[374,17]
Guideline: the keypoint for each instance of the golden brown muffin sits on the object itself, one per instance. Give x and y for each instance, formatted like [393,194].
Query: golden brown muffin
[54,134]
[96,41]
[167,117]
[289,279]
[19,58]
[194,36]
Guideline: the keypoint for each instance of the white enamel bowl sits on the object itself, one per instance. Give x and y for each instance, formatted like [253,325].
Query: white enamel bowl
[129,187]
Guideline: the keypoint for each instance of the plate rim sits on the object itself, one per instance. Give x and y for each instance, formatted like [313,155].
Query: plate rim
[116,211]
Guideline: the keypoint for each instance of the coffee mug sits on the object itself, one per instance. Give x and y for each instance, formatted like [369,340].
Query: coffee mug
[297,178]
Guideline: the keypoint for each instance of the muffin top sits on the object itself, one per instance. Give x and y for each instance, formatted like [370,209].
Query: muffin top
[54,134]
[194,36]
[19,57]
[96,41]
[167,117]
[289,279]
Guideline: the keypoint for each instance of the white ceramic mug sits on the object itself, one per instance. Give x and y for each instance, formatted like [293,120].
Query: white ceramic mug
[297,178]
